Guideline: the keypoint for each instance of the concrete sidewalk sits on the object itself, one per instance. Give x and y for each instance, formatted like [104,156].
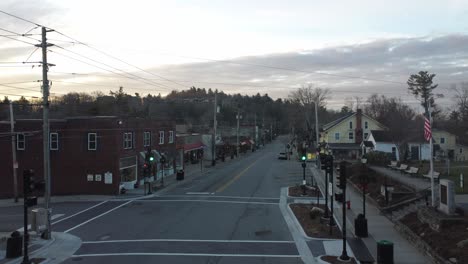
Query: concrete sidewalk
[379,227]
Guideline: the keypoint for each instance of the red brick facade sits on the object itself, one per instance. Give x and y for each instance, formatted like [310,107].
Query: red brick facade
[73,163]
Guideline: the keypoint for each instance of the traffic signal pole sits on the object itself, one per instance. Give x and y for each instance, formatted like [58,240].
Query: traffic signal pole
[344,255]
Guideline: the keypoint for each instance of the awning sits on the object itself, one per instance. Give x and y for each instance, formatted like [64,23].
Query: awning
[193,146]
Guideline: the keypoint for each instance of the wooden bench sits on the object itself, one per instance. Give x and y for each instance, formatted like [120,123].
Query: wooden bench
[428,175]
[412,171]
[393,165]
[402,168]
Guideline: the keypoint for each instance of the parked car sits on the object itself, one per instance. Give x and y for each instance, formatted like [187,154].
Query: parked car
[282,156]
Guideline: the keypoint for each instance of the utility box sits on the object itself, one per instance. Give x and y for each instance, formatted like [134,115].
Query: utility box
[38,219]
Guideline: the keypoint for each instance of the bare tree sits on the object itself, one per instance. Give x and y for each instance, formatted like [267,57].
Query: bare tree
[307,96]
[461,99]
[397,116]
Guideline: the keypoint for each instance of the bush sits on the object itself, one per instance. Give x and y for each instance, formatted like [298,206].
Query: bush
[378,158]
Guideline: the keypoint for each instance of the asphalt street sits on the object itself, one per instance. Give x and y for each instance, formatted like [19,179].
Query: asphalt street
[230,214]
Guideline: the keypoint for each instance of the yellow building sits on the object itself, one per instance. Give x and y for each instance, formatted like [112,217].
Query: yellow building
[344,135]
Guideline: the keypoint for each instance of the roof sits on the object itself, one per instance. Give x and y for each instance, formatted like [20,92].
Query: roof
[341,119]
[337,121]
[382,136]
[368,144]
[343,146]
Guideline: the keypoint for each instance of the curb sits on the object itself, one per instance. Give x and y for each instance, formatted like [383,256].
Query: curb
[302,229]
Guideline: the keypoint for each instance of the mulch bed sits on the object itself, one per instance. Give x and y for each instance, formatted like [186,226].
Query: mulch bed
[313,227]
[296,191]
[443,242]
[335,260]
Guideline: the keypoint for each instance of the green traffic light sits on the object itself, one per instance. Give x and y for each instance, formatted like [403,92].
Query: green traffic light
[151,158]
[303,157]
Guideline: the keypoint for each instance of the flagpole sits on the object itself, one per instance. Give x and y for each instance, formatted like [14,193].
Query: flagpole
[431,162]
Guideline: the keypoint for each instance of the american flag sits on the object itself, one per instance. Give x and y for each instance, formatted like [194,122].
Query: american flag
[427,129]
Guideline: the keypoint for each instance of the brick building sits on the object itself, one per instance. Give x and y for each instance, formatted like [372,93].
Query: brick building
[88,155]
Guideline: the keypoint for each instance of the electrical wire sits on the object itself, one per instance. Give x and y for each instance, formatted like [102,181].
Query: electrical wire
[20,18]
[136,77]
[115,58]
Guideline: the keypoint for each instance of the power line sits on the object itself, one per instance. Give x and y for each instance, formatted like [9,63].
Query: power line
[34,97]
[115,58]
[20,18]
[19,88]
[146,81]
[29,43]
[19,34]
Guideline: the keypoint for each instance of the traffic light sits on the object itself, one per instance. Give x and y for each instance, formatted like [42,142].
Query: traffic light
[146,169]
[29,182]
[151,157]
[322,161]
[329,164]
[303,158]
[342,176]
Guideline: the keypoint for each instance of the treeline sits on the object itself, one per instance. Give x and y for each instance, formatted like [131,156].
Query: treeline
[193,106]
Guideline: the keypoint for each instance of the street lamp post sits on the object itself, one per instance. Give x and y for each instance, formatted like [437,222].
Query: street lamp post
[238,117]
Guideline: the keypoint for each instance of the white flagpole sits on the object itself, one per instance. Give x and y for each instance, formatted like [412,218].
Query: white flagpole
[431,160]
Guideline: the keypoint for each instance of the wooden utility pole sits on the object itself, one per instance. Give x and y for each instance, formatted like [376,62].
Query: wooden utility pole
[13,152]
[45,126]
[213,162]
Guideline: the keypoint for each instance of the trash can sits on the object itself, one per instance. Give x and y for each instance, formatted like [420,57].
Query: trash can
[339,197]
[384,252]
[14,246]
[180,175]
[360,226]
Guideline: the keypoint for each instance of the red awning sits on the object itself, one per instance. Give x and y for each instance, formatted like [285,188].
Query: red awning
[193,146]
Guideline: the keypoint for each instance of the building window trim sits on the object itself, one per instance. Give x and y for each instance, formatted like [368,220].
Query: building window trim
[161,137]
[94,141]
[442,140]
[146,139]
[128,140]
[366,125]
[351,136]
[171,136]
[20,141]
[350,124]
[53,143]
[337,136]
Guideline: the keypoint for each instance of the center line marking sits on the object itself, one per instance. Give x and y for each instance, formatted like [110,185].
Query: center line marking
[220,189]
[196,193]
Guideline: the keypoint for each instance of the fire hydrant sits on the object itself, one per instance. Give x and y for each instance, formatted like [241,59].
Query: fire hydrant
[348,204]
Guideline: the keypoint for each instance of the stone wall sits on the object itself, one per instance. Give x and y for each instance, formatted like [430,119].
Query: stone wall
[420,244]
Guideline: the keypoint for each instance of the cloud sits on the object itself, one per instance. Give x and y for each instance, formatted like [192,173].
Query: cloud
[391,60]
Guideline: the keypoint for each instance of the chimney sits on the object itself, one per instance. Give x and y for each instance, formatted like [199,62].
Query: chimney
[358,129]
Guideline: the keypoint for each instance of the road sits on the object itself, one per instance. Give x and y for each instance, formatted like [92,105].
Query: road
[230,214]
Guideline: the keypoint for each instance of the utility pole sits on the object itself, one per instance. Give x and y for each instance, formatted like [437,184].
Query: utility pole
[45,126]
[431,160]
[213,162]
[238,116]
[316,124]
[13,152]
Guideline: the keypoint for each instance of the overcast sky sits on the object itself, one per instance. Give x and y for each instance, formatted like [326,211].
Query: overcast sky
[223,44]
